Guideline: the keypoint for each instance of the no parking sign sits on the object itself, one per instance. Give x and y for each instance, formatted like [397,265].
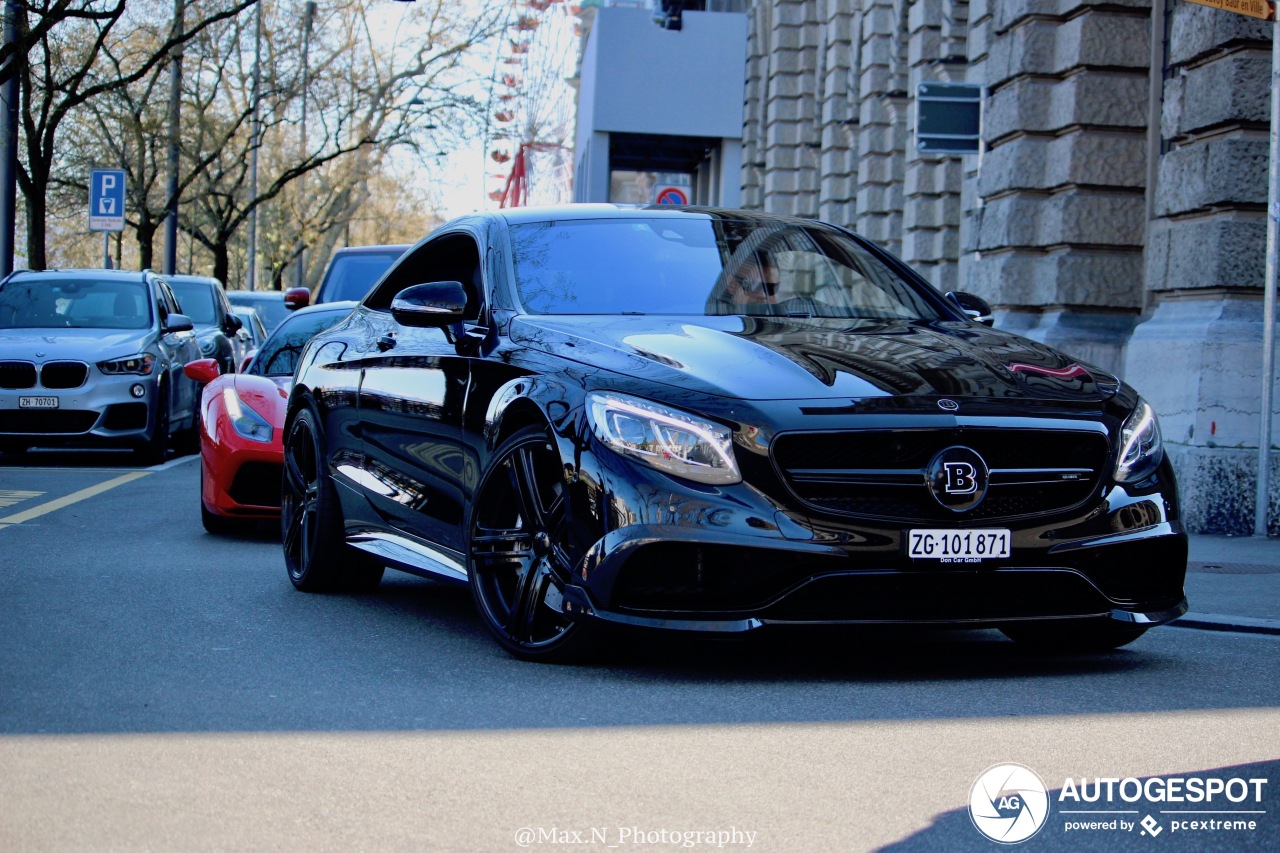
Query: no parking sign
[671,195]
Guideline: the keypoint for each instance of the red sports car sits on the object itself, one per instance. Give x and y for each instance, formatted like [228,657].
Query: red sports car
[241,417]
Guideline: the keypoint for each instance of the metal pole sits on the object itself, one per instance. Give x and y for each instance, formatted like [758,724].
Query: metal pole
[309,11]
[106,250]
[175,116]
[9,147]
[1262,499]
[255,134]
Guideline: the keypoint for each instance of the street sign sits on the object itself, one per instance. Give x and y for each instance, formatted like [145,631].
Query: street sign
[106,200]
[1263,9]
[671,195]
[948,118]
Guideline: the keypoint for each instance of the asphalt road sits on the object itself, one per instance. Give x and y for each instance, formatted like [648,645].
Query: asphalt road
[164,689]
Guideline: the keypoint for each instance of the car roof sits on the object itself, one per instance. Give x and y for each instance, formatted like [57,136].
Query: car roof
[345,305]
[100,274]
[563,212]
[362,250]
[194,279]
[255,294]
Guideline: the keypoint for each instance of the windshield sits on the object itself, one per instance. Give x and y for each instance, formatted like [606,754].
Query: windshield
[351,276]
[279,355]
[196,301]
[271,311]
[706,266]
[74,304]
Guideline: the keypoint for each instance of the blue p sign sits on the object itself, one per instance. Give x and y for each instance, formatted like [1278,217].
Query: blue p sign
[106,200]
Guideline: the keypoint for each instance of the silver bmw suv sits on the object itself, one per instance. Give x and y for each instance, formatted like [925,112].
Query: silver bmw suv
[94,358]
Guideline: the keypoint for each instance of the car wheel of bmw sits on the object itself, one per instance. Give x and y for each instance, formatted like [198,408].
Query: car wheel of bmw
[521,553]
[1067,636]
[157,447]
[317,557]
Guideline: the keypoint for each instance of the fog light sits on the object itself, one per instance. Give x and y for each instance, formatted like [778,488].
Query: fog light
[138,390]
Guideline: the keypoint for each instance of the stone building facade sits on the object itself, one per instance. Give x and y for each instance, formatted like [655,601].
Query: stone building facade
[1116,210]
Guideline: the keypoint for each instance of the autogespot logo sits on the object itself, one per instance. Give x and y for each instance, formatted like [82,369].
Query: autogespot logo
[1009,803]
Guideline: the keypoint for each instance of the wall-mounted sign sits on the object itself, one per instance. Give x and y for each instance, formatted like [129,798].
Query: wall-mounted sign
[949,118]
[1263,9]
[671,195]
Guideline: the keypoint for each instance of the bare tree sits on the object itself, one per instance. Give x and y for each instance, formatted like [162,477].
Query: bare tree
[78,59]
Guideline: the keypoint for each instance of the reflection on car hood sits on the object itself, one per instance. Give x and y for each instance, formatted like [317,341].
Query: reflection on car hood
[782,358]
[91,345]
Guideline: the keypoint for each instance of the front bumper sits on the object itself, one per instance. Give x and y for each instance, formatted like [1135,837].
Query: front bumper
[103,413]
[731,560]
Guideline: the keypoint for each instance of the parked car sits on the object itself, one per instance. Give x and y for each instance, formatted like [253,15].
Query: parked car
[719,421]
[353,270]
[268,304]
[241,417]
[220,332]
[94,358]
[252,324]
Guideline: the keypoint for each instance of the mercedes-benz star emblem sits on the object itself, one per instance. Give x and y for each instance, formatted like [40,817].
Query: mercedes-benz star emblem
[948,405]
[957,477]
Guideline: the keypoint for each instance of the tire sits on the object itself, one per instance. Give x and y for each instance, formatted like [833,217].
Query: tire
[221,525]
[156,449]
[520,550]
[1073,636]
[311,527]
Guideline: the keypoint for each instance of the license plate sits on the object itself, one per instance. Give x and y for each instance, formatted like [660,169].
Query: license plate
[958,546]
[37,402]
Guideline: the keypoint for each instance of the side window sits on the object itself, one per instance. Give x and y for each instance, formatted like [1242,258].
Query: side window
[452,257]
[166,302]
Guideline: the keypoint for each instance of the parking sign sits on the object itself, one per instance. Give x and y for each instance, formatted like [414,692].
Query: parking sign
[106,200]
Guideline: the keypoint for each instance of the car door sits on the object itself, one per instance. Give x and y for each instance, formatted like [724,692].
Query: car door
[412,393]
[177,349]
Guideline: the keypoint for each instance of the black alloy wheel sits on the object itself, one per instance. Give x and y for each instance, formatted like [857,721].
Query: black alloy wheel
[315,553]
[1073,636]
[521,552]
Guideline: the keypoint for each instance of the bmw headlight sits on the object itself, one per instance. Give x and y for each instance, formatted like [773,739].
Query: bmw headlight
[1140,446]
[244,420]
[667,439]
[141,364]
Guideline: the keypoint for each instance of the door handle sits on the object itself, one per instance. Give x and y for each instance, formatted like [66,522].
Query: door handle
[386,342]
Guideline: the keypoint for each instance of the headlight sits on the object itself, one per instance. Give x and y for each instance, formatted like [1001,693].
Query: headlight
[245,420]
[667,439]
[209,347]
[141,364]
[1140,445]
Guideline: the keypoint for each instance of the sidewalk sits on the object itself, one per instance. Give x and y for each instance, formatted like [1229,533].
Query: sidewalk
[1233,584]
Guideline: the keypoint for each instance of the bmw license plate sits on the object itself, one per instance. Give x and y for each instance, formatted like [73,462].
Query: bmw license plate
[37,402]
[958,546]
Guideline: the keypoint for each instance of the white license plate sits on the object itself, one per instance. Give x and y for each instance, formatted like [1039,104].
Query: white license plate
[37,402]
[958,546]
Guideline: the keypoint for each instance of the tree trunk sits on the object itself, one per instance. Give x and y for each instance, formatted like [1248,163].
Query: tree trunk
[221,262]
[37,209]
[146,234]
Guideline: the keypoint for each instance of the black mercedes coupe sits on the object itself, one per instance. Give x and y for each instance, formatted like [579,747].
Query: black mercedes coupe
[718,421]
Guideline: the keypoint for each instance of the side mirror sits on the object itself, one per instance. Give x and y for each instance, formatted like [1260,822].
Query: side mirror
[977,308]
[430,305]
[203,370]
[178,323]
[244,362]
[297,297]
[232,324]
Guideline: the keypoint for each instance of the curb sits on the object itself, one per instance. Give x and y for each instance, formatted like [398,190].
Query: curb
[1218,622]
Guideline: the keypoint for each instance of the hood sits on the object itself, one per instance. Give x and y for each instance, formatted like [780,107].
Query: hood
[90,345]
[774,358]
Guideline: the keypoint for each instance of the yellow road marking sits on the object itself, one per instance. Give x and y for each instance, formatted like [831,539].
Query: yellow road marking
[74,497]
[9,497]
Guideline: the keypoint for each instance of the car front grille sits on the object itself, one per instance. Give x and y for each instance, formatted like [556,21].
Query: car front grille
[881,473]
[17,375]
[64,374]
[64,421]
[257,484]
